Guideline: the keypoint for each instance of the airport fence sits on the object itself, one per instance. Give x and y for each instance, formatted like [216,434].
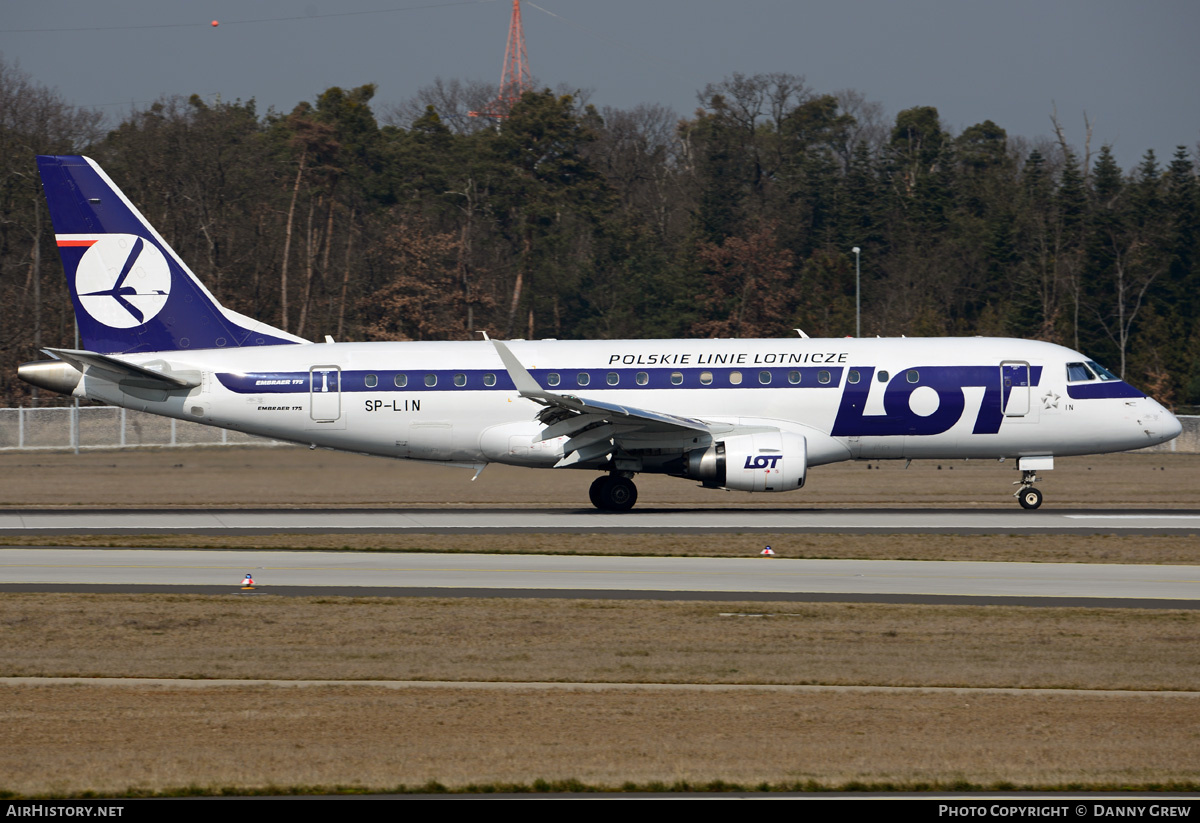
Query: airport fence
[111,427]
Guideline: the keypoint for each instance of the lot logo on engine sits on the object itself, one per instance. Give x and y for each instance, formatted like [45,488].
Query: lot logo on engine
[763,461]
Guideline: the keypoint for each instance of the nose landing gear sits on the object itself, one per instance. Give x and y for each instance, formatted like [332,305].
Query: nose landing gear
[1027,495]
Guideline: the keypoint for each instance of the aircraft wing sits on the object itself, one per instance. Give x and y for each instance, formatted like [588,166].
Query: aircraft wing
[597,428]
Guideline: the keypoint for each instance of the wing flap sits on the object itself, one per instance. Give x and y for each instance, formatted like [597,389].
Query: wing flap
[587,454]
[572,424]
[582,440]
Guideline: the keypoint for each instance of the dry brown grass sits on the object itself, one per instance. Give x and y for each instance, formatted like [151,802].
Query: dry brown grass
[235,636]
[88,737]
[74,738]
[69,738]
[1040,548]
[232,477]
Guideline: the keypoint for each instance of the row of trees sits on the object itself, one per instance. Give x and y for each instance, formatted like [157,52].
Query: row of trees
[563,220]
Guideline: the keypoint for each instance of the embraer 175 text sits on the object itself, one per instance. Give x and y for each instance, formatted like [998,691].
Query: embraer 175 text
[749,415]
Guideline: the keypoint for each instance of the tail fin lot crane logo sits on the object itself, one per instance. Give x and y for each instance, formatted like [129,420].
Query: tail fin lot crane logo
[122,281]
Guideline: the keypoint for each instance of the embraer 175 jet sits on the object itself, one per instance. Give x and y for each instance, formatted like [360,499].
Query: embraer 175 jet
[748,415]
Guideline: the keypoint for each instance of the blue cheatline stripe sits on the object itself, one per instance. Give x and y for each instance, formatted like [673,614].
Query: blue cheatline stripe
[292,382]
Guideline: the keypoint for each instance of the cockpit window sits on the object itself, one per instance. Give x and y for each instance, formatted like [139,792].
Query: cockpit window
[1101,372]
[1078,371]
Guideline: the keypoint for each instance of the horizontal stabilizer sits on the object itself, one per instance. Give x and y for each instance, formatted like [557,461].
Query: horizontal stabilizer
[127,373]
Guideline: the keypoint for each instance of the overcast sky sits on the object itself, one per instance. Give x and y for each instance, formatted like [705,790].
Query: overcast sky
[1133,68]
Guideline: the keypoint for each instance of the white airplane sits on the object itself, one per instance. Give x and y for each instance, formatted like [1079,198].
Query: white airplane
[748,415]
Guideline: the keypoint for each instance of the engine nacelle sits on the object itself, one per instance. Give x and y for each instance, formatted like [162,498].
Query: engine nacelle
[772,461]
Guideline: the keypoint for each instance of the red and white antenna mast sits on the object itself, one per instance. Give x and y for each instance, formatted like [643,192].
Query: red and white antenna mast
[515,79]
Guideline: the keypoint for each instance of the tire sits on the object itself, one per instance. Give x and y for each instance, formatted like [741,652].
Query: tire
[618,494]
[597,491]
[1030,498]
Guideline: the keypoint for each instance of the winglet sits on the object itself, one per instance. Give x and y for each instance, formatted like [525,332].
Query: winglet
[522,379]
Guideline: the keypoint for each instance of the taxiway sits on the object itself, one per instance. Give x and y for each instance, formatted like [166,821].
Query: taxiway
[591,576]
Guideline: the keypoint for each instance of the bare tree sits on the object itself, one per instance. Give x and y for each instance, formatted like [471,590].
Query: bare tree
[747,99]
[869,126]
[33,120]
[1087,140]
[638,153]
[453,100]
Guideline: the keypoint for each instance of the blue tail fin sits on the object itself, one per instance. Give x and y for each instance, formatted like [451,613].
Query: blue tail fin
[131,292]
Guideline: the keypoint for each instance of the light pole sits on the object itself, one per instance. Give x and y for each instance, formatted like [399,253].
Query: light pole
[857,294]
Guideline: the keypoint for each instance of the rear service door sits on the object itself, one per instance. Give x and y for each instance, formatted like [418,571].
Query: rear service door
[325,394]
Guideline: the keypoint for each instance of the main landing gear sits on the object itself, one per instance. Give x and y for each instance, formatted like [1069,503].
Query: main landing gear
[1027,495]
[613,493]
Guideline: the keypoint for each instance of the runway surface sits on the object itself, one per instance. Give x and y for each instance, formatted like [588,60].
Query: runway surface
[679,521]
[348,573]
[584,576]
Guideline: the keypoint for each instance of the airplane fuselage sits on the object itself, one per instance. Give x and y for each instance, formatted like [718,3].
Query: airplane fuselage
[850,398]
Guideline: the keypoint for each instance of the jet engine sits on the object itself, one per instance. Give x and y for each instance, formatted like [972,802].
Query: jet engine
[769,461]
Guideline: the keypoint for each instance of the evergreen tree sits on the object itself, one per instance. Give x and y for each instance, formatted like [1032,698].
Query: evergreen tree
[1178,297]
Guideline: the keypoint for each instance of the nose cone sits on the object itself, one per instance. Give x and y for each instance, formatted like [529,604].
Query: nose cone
[1159,424]
[1172,427]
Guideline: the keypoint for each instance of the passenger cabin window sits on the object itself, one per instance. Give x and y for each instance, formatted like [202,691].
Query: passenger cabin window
[882,377]
[460,380]
[583,378]
[912,375]
[764,377]
[676,378]
[372,381]
[794,378]
[401,380]
[642,378]
[431,380]
[1078,371]
[613,378]
[489,379]
[823,377]
[705,378]
[735,378]
[853,377]
[552,379]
